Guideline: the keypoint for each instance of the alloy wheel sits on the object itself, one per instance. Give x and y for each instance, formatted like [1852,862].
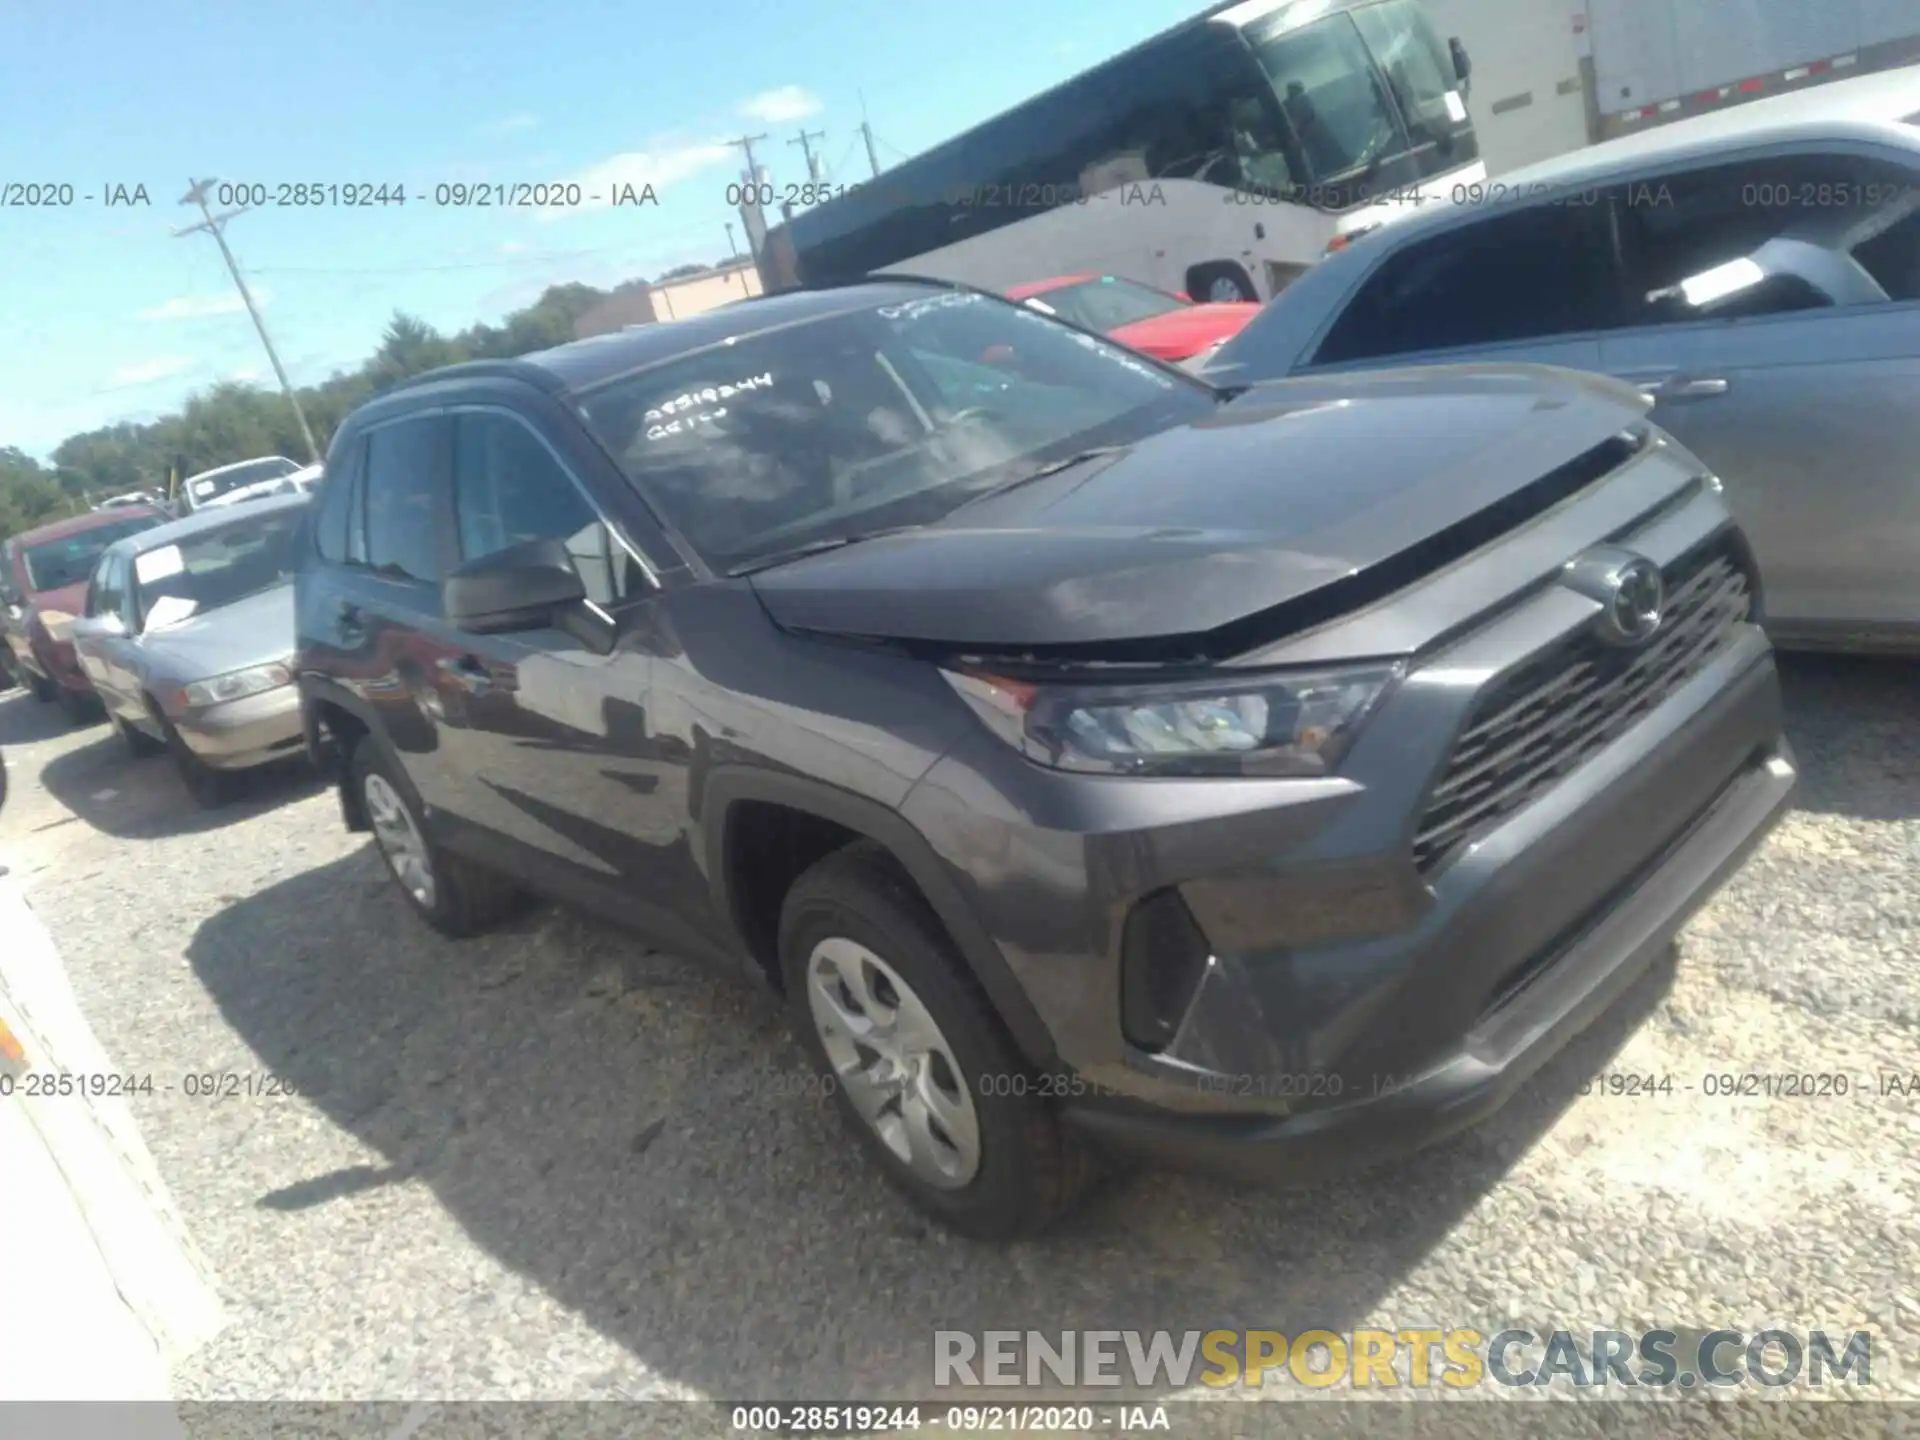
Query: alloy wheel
[400,840]
[896,1067]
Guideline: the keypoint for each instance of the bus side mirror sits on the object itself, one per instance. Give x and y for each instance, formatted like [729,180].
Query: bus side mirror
[1462,64]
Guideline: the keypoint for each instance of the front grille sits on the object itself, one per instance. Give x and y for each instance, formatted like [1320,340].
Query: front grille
[1545,719]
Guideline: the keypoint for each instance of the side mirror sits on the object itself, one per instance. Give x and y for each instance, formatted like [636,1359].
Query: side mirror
[108,625]
[1183,295]
[1462,64]
[524,587]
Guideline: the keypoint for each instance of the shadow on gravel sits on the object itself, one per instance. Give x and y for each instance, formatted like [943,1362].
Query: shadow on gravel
[144,799]
[25,721]
[1854,722]
[639,1136]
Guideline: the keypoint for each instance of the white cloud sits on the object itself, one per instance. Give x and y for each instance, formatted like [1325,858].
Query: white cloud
[148,371]
[639,169]
[507,125]
[247,375]
[195,307]
[512,247]
[778,107]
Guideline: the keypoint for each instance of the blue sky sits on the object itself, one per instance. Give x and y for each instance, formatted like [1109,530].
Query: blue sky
[104,316]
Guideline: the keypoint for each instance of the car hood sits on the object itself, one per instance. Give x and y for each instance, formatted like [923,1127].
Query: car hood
[69,599]
[255,631]
[1288,488]
[1185,332]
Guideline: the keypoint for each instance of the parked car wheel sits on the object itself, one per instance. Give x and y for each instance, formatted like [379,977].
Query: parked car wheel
[139,743]
[210,788]
[80,709]
[915,1055]
[449,892]
[1224,284]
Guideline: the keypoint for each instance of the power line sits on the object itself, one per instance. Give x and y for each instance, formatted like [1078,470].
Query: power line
[216,227]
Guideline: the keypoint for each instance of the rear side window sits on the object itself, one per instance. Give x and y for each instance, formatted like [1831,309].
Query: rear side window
[331,525]
[404,466]
[1525,275]
[1693,228]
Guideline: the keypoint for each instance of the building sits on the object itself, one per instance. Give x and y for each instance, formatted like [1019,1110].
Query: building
[673,299]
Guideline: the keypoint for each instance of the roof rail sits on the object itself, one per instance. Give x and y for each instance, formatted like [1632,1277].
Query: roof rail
[519,369]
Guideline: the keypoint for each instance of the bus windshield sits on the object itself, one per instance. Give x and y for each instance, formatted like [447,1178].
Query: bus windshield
[1363,89]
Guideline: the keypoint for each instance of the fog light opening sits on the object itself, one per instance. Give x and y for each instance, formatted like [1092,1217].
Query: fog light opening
[1163,958]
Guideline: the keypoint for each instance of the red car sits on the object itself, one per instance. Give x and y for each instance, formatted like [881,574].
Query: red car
[1167,327]
[43,587]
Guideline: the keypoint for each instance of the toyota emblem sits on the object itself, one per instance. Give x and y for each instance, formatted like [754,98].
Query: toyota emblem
[1630,591]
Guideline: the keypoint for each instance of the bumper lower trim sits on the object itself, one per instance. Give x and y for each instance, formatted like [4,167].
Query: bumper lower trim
[1504,1049]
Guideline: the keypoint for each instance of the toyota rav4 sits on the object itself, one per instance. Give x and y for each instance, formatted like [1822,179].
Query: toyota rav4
[1097,761]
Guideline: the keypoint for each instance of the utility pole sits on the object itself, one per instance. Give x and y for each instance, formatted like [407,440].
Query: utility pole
[873,160]
[732,248]
[746,143]
[216,227]
[805,141]
[866,134]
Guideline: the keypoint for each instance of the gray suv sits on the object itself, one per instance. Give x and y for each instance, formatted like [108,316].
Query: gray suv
[1095,760]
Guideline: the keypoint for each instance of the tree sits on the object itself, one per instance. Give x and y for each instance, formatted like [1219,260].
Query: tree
[679,270]
[233,421]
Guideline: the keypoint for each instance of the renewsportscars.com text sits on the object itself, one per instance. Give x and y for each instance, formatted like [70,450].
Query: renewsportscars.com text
[1418,1358]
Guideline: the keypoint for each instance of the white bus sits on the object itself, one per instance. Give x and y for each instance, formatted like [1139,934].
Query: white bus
[1219,158]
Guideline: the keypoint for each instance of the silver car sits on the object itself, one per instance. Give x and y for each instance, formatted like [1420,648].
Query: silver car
[187,634]
[1756,271]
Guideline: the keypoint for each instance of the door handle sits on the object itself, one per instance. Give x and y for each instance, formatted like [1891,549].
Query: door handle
[468,673]
[1692,387]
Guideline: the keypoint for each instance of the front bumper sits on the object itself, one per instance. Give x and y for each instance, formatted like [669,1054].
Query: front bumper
[1396,1114]
[254,730]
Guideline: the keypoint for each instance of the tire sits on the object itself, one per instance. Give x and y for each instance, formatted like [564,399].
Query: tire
[1220,284]
[79,709]
[210,788]
[140,745]
[461,899]
[1026,1171]
[43,690]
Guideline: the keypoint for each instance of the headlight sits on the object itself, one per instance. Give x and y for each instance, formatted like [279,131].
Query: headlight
[237,685]
[1297,723]
[58,624]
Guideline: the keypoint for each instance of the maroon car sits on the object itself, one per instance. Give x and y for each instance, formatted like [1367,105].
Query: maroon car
[43,587]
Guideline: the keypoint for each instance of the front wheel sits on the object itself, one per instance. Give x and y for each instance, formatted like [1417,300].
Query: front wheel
[210,788]
[140,745]
[920,1066]
[451,894]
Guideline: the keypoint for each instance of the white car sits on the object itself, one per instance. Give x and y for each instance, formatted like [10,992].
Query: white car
[300,482]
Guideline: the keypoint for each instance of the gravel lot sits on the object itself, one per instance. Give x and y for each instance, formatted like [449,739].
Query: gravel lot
[553,1164]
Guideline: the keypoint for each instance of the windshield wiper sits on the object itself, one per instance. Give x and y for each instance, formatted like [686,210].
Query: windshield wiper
[1052,467]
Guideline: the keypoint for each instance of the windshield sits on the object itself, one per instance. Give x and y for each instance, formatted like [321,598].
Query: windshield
[214,568]
[1359,133]
[70,560]
[880,417]
[1105,304]
[204,487]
